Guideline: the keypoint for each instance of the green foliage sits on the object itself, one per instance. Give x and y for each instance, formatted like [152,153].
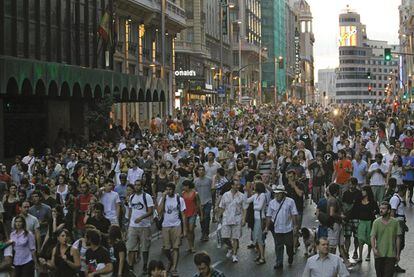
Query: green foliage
[98,113]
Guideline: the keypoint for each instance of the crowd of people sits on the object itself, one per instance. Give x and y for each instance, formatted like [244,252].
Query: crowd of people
[93,209]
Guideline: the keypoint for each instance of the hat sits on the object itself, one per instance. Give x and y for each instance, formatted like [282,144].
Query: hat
[174,150]
[279,189]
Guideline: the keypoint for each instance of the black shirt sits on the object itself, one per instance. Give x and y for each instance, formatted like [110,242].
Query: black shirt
[94,258]
[114,254]
[349,199]
[50,202]
[101,224]
[292,194]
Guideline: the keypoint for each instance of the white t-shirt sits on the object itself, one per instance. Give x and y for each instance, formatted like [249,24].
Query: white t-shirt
[134,174]
[259,205]
[109,200]
[388,159]
[398,205]
[372,148]
[376,178]
[171,213]
[138,209]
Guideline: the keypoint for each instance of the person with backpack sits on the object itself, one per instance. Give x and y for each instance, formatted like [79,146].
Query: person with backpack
[171,211]
[398,212]
[141,208]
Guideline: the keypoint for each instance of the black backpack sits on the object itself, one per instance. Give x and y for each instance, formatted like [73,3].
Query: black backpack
[144,197]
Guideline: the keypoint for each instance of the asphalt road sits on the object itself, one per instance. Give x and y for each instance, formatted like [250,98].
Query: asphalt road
[246,266]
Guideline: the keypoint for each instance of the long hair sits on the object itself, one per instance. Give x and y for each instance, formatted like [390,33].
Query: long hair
[23,224]
[369,192]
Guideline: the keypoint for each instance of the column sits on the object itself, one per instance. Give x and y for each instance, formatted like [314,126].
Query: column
[1,130]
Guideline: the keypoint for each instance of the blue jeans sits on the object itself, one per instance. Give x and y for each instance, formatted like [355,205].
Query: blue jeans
[205,224]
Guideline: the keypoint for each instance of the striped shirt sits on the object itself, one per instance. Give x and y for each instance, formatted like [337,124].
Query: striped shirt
[265,167]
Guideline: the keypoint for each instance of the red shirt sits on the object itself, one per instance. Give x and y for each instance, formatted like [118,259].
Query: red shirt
[5,178]
[341,167]
[81,206]
[190,203]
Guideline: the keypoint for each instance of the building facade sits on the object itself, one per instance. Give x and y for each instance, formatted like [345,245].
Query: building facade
[326,85]
[59,57]
[363,75]
[306,80]
[274,39]
[406,35]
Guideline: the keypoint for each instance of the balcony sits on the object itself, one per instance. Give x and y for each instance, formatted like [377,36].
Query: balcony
[175,15]
[132,47]
[189,47]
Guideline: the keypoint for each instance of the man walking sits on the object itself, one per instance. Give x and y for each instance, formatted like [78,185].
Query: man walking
[325,263]
[281,220]
[398,212]
[377,173]
[385,241]
[204,186]
[171,209]
[139,232]
[234,217]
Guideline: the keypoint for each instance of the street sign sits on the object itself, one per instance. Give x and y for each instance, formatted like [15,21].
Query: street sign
[221,91]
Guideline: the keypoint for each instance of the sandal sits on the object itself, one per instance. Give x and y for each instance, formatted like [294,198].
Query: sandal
[261,261]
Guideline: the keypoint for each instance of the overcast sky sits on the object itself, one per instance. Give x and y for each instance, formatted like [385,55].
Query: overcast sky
[380,16]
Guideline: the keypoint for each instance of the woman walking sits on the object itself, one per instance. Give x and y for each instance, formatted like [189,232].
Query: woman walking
[65,258]
[259,205]
[366,209]
[24,249]
[193,206]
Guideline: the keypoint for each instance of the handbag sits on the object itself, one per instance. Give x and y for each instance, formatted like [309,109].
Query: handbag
[273,223]
[112,173]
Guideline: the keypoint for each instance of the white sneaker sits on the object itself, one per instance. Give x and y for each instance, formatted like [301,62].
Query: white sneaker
[229,253]
[235,260]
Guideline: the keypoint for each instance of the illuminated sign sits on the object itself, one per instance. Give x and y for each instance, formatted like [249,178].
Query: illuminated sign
[185,73]
[348,36]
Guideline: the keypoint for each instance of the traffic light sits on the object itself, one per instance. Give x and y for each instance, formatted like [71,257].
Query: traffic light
[387,54]
[405,96]
[281,62]
[369,88]
[368,75]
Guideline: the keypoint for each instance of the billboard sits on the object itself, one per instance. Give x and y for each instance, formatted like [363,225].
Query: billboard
[348,36]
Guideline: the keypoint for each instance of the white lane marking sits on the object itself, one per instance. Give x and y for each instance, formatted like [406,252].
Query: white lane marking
[216,264]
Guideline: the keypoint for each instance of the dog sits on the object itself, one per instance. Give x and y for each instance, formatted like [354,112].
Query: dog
[309,240]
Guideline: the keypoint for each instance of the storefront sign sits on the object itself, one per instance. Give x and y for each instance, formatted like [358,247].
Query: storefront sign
[185,73]
[209,87]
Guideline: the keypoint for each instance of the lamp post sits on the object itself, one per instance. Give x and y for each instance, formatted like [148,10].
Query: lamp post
[260,72]
[240,65]
[223,5]
[231,58]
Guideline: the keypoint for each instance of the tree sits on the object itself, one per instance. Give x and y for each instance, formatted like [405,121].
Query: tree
[98,116]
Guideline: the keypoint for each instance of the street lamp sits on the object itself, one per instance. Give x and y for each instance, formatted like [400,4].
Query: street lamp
[223,6]
[260,71]
[231,57]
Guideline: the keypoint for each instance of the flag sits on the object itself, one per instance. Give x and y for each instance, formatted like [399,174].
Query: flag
[104,30]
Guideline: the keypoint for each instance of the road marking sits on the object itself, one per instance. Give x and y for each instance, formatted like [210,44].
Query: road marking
[216,264]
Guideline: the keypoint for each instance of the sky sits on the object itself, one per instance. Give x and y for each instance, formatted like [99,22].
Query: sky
[381,18]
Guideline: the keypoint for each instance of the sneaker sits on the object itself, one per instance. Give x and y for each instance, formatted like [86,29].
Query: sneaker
[398,269]
[235,260]
[290,260]
[229,253]
[280,266]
